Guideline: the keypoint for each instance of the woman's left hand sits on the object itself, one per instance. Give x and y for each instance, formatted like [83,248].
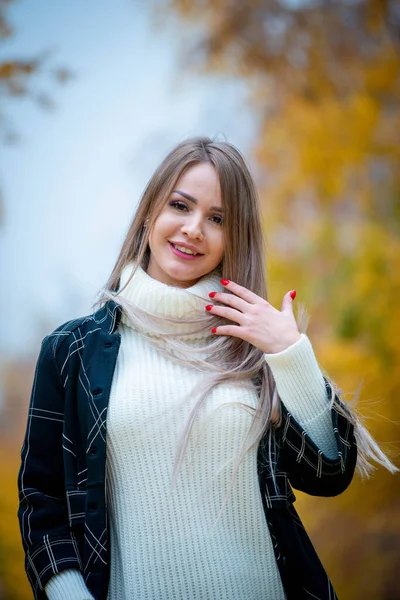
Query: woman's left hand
[256,320]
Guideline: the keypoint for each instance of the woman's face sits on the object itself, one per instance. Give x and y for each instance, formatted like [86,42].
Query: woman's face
[187,240]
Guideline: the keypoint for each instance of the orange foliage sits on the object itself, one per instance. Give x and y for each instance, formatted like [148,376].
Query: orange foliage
[324,80]
[14,583]
[17,76]
[16,380]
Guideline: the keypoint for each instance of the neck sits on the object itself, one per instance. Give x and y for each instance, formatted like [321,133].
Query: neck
[161,308]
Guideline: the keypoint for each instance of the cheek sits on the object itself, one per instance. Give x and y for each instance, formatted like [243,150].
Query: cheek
[218,246]
[159,230]
[165,224]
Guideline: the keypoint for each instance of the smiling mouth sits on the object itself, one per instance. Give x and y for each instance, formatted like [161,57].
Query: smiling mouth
[185,250]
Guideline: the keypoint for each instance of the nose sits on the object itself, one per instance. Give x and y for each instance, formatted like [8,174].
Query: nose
[193,228]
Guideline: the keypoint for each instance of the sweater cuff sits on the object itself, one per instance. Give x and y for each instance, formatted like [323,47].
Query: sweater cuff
[299,381]
[67,585]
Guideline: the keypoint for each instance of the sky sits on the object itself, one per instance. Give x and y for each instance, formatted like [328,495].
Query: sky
[72,182]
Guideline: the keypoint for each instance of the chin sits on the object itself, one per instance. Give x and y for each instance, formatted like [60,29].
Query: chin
[186,278]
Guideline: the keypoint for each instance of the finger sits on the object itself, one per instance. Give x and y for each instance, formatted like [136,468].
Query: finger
[232,330]
[227,313]
[230,300]
[242,292]
[287,302]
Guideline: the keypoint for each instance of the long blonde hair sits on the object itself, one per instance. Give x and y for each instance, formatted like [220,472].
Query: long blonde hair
[230,359]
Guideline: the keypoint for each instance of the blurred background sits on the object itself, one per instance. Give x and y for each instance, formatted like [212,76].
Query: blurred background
[92,96]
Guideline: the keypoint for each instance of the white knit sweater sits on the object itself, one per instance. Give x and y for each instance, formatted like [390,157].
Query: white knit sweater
[174,544]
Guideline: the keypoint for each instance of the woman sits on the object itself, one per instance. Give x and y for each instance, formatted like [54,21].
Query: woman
[210,399]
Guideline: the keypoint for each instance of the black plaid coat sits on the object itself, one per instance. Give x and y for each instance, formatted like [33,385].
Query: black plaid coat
[62,488]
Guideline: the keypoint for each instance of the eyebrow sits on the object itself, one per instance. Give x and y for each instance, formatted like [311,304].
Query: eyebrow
[195,201]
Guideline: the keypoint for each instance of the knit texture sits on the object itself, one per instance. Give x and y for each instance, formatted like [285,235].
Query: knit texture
[68,585]
[173,543]
[301,387]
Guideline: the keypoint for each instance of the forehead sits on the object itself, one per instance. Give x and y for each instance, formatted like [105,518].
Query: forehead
[202,182]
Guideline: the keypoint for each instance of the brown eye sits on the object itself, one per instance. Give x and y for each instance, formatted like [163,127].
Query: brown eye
[178,205]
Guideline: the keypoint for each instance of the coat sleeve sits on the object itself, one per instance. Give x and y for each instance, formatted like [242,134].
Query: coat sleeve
[50,546]
[308,468]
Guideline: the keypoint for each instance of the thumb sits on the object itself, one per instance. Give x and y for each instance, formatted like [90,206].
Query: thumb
[287,301]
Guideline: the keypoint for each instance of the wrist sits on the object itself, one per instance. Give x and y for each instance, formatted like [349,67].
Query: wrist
[299,381]
[283,344]
[67,585]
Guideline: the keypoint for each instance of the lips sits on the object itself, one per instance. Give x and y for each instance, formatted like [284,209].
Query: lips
[186,249]
[183,254]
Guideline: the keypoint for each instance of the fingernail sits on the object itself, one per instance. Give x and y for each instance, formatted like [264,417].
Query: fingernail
[212,294]
[225,281]
[209,306]
[293,294]
[214,330]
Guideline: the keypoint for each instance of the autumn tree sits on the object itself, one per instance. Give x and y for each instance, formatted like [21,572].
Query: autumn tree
[324,83]
[22,77]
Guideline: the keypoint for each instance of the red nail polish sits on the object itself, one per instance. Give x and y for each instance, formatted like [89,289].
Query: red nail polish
[225,281]
[293,294]
[212,294]
[209,306]
[214,330]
